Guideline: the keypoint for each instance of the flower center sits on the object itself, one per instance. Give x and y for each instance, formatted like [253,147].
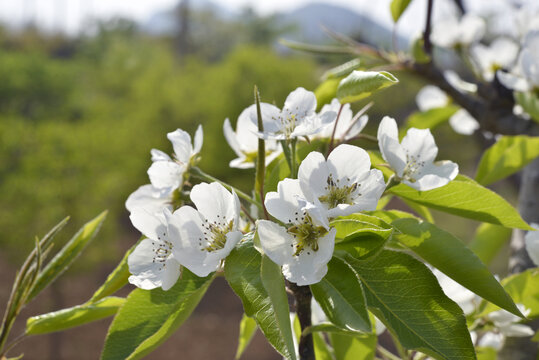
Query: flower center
[413,166]
[306,235]
[289,124]
[215,234]
[338,193]
[161,249]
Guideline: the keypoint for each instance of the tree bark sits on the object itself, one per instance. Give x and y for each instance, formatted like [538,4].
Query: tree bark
[303,296]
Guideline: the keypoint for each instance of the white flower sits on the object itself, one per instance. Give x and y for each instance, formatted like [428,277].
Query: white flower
[166,174]
[454,80]
[452,32]
[345,183]
[244,141]
[348,126]
[525,76]
[304,249]
[466,299]
[150,199]
[532,244]
[431,97]
[500,54]
[505,325]
[152,263]
[413,159]
[297,118]
[205,236]
[463,123]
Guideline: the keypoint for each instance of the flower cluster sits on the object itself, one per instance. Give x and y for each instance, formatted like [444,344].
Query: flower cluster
[299,236]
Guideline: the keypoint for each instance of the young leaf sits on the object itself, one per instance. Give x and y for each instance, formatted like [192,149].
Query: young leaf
[341,297]
[74,316]
[361,84]
[421,210]
[488,241]
[321,349]
[464,197]
[524,289]
[353,347]
[507,156]
[242,271]
[449,255]
[431,118]
[405,295]
[149,317]
[67,254]
[247,331]
[397,8]
[326,91]
[342,70]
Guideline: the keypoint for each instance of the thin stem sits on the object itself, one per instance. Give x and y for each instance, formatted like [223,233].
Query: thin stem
[261,158]
[15,341]
[355,119]
[401,350]
[303,296]
[392,181]
[330,147]
[426,35]
[201,175]
[294,169]
[386,354]
[287,154]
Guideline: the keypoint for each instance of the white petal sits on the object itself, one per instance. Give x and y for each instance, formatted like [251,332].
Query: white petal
[419,143]
[471,28]
[435,175]
[247,127]
[512,81]
[348,161]
[454,80]
[215,202]
[144,269]
[149,198]
[313,124]
[151,225]
[431,97]
[241,163]
[181,142]
[309,267]
[445,32]
[199,139]
[166,175]
[171,273]
[388,141]
[313,173]
[230,137]
[492,340]
[284,204]
[532,244]
[300,102]
[516,330]
[158,155]
[316,211]
[463,123]
[357,125]
[276,242]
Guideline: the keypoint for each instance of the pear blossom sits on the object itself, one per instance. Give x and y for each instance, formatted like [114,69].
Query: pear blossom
[244,141]
[525,76]
[348,126]
[297,118]
[431,97]
[149,198]
[206,235]
[455,80]
[500,54]
[453,32]
[463,123]
[305,246]
[152,263]
[166,174]
[505,325]
[532,244]
[345,183]
[413,159]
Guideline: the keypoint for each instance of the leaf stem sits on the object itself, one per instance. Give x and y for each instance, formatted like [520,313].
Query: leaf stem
[303,296]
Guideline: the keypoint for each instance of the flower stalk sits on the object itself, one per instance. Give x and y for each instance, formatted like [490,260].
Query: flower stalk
[261,158]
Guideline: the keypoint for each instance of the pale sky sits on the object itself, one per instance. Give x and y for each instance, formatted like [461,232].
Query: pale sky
[69,15]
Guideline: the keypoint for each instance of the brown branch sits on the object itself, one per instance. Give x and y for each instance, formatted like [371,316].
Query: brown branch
[303,296]
[427,45]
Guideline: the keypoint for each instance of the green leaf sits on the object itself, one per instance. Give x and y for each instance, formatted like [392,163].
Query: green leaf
[341,297]
[321,349]
[348,347]
[326,91]
[361,84]
[363,235]
[243,273]
[398,7]
[488,241]
[524,289]
[421,210]
[247,331]
[529,102]
[417,50]
[466,198]
[486,353]
[431,118]
[405,295]
[149,317]
[117,279]
[449,255]
[507,156]
[74,316]
[67,254]
[342,70]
